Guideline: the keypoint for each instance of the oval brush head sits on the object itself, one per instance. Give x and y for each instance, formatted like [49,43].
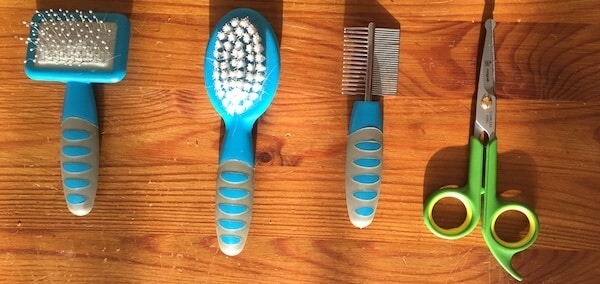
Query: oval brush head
[241,73]
[241,67]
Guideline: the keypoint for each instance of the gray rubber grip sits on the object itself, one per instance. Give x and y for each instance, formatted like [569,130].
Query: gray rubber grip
[235,191]
[364,157]
[79,147]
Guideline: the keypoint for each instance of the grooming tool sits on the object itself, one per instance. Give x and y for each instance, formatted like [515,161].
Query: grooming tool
[78,48]
[241,74]
[482,175]
[370,69]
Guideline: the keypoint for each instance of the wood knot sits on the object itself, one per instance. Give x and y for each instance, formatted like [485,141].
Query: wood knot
[264,157]
[272,154]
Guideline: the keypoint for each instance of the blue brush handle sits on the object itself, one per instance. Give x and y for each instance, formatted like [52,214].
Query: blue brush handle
[235,188]
[79,148]
[364,155]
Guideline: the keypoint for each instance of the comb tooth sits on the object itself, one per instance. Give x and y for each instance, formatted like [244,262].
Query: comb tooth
[385,72]
[351,75]
[353,68]
[355,59]
[355,56]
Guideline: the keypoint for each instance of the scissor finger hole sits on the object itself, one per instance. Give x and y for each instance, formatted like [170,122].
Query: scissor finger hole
[513,228]
[450,215]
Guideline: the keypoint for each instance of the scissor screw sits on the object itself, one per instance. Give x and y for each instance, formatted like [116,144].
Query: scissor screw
[486,102]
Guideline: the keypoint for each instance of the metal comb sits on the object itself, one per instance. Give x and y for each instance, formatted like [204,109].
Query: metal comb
[370,69]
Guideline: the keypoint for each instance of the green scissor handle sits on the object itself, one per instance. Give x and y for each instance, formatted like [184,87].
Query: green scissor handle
[470,196]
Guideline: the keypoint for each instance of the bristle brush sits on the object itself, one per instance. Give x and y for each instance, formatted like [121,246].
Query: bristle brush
[241,74]
[78,48]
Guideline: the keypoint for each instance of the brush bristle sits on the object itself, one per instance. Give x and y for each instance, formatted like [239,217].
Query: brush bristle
[384,73]
[239,70]
[71,39]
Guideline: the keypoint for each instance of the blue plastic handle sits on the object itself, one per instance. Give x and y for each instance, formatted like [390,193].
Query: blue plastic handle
[80,103]
[79,147]
[237,142]
[365,114]
[364,156]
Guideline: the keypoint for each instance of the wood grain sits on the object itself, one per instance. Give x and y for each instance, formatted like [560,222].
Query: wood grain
[153,220]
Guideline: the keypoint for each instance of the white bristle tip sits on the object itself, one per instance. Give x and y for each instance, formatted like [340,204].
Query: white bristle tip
[239,78]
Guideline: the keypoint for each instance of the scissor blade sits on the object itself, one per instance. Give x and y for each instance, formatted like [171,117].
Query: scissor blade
[487,71]
[485,114]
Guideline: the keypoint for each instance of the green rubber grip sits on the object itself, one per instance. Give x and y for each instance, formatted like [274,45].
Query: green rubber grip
[484,183]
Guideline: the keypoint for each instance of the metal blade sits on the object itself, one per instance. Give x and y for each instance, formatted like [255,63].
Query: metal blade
[485,113]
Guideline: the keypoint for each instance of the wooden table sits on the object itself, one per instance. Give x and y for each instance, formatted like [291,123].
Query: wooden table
[153,220]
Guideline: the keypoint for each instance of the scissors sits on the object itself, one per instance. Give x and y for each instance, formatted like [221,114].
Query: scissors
[482,175]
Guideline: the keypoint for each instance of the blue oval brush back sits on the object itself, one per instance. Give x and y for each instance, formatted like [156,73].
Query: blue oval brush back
[241,74]
[78,48]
